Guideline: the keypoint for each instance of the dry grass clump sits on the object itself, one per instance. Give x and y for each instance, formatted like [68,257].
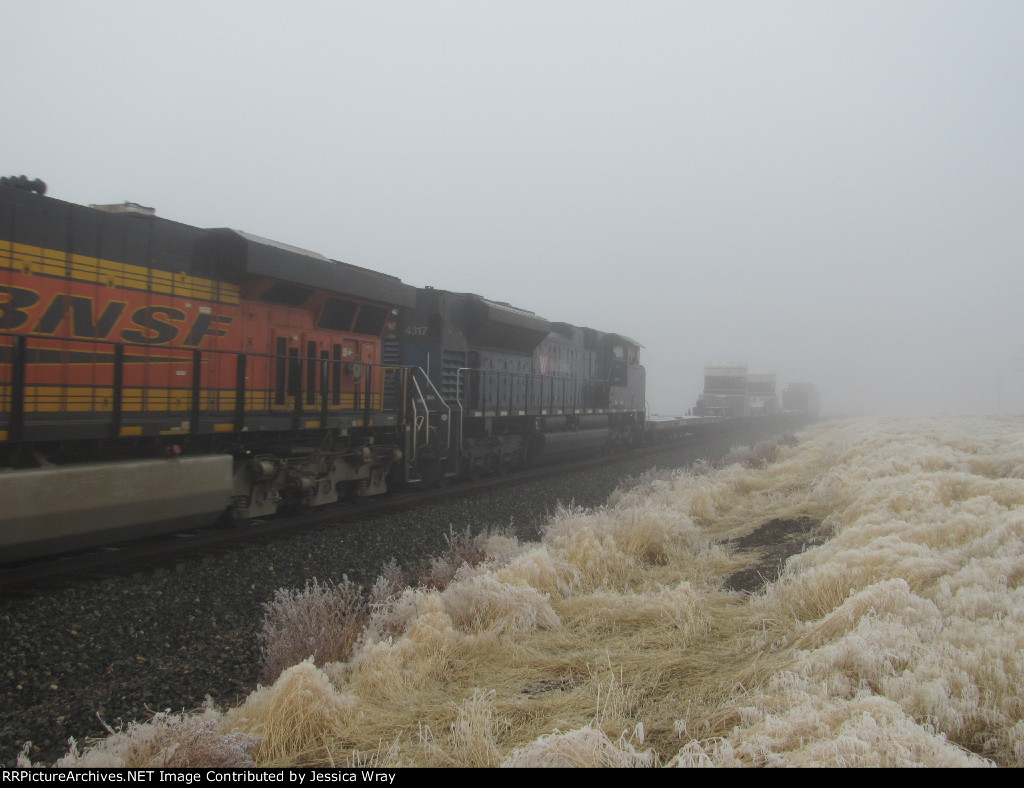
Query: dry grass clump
[659,608]
[609,546]
[475,734]
[301,719]
[898,641]
[324,620]
[205,738]
[732,494]
[539,568]
[481,602]
[404,652]
[586,747]
[759,455]
[463,548]
[321,622]
[796,724]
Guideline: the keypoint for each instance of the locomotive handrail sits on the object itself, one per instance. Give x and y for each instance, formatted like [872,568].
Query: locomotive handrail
[19,360]
[415,417]
[426,409]
[241,363]
[117,400]
[19,352]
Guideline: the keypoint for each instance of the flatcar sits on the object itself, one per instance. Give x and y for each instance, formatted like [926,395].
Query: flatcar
[155,375]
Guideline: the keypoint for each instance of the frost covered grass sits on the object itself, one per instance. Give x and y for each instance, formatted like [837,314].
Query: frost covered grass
[166,741]
[896,641]
[321,621]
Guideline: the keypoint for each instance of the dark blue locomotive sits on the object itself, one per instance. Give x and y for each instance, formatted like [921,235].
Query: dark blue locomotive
[517,388]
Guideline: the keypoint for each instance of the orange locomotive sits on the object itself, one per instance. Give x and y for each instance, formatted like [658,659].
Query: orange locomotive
[156,375]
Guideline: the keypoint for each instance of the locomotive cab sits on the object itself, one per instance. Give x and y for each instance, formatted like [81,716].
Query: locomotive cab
[626,387]
[478,356]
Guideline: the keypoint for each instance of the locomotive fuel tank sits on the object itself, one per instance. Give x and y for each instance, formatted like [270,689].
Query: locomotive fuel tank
[60,508]
[554,446]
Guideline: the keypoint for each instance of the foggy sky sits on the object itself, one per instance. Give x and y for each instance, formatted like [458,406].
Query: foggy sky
[832,191]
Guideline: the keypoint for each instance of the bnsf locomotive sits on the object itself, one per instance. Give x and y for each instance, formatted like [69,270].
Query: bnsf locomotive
[155,375]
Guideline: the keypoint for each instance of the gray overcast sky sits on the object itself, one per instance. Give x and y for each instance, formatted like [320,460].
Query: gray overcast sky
[833,191]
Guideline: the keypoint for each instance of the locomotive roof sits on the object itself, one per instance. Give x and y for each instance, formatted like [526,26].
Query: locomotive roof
[279,245]
[625,339]
[506,307]
[265,257]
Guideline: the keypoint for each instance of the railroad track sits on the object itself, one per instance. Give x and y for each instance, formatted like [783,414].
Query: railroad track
[135,556]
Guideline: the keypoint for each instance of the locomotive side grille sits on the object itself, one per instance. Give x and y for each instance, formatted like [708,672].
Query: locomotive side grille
[451,362]
[390,356]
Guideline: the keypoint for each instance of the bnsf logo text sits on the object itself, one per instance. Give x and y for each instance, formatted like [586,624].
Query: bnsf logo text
[24,309]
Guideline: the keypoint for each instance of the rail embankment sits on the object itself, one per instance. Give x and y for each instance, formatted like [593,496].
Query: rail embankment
[849,597]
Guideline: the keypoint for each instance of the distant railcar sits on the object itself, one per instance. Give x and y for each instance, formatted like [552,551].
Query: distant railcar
[802,399]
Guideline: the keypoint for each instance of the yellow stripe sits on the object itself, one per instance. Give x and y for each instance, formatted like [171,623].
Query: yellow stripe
[100,399]
[39,260]
[130,431]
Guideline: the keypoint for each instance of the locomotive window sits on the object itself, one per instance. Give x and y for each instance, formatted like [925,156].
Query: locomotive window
[325,363]
[337,315]
[371,320]
[287,294]
[336,376]
[279,373]
[294,372]
[311,373]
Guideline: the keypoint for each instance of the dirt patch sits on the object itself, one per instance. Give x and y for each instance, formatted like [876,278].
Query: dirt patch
[773,542]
